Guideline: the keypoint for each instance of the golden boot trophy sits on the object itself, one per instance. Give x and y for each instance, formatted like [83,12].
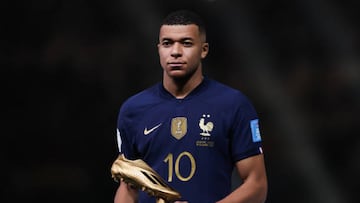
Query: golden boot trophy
[140,175]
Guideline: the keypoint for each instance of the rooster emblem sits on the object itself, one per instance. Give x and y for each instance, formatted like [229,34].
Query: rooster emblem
[206,128]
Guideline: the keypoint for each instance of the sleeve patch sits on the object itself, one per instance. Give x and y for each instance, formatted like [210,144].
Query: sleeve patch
[119,142]
[255,131]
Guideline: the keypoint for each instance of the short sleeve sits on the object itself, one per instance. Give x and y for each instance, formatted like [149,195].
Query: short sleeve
[246,139]
[124,138]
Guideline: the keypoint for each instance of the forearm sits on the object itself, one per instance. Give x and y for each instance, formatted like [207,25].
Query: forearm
[254,186]
[247,193]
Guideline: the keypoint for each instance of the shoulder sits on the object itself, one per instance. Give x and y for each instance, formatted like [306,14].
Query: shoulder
[141,100]
[226,93]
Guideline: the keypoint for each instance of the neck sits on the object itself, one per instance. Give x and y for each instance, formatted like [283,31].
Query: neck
[180,88]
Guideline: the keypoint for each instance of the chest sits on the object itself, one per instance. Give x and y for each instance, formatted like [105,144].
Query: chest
[182,126]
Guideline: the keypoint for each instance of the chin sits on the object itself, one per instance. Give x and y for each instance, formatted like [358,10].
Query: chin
[177,73]
[180,78]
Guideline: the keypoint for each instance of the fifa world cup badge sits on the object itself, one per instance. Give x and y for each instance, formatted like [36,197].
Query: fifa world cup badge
[179,127]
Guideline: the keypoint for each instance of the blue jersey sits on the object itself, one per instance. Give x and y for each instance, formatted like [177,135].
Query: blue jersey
[193,143]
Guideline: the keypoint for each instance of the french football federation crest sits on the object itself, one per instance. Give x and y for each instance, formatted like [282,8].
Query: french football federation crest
[206,128]
[179,127]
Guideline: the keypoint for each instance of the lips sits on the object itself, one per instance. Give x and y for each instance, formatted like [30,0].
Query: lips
[176,65]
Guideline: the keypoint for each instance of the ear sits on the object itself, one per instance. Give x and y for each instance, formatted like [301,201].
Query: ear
[204,50]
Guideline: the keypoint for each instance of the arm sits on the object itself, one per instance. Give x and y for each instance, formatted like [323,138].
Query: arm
[125,194]
[254,187]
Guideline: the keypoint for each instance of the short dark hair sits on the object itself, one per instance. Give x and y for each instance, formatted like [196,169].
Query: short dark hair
[185,17]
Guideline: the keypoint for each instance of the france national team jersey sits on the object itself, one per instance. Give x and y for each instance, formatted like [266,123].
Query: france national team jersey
[193,143]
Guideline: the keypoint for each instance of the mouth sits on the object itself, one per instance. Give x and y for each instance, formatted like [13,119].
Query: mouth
[176,65]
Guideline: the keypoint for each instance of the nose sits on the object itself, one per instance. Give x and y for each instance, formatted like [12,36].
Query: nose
[176,50]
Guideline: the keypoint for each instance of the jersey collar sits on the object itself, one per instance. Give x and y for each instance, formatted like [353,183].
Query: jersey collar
[165,94]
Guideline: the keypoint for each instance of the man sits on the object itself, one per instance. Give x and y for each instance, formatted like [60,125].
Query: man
[190,129]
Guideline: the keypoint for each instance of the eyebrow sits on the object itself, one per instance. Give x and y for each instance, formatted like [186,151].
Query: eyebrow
[182,39]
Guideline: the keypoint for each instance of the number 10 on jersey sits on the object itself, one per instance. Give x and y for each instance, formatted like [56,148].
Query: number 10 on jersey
[171,166]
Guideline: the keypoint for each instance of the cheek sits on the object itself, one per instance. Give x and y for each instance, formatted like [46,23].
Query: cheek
[162,53]
[194,56]
[162,59]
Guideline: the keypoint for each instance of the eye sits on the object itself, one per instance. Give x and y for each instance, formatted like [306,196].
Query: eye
[166,43]
[187,43]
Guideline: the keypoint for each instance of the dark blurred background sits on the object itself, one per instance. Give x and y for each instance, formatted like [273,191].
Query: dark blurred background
[67,66]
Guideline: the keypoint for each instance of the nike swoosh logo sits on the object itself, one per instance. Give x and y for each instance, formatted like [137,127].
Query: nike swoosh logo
[146,131]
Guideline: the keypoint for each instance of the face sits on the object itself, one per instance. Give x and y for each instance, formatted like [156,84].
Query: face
[181,49]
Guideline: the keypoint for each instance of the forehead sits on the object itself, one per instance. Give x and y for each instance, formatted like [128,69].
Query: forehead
[179,31]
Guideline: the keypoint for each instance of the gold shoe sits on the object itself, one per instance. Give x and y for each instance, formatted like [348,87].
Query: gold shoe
[140,175]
